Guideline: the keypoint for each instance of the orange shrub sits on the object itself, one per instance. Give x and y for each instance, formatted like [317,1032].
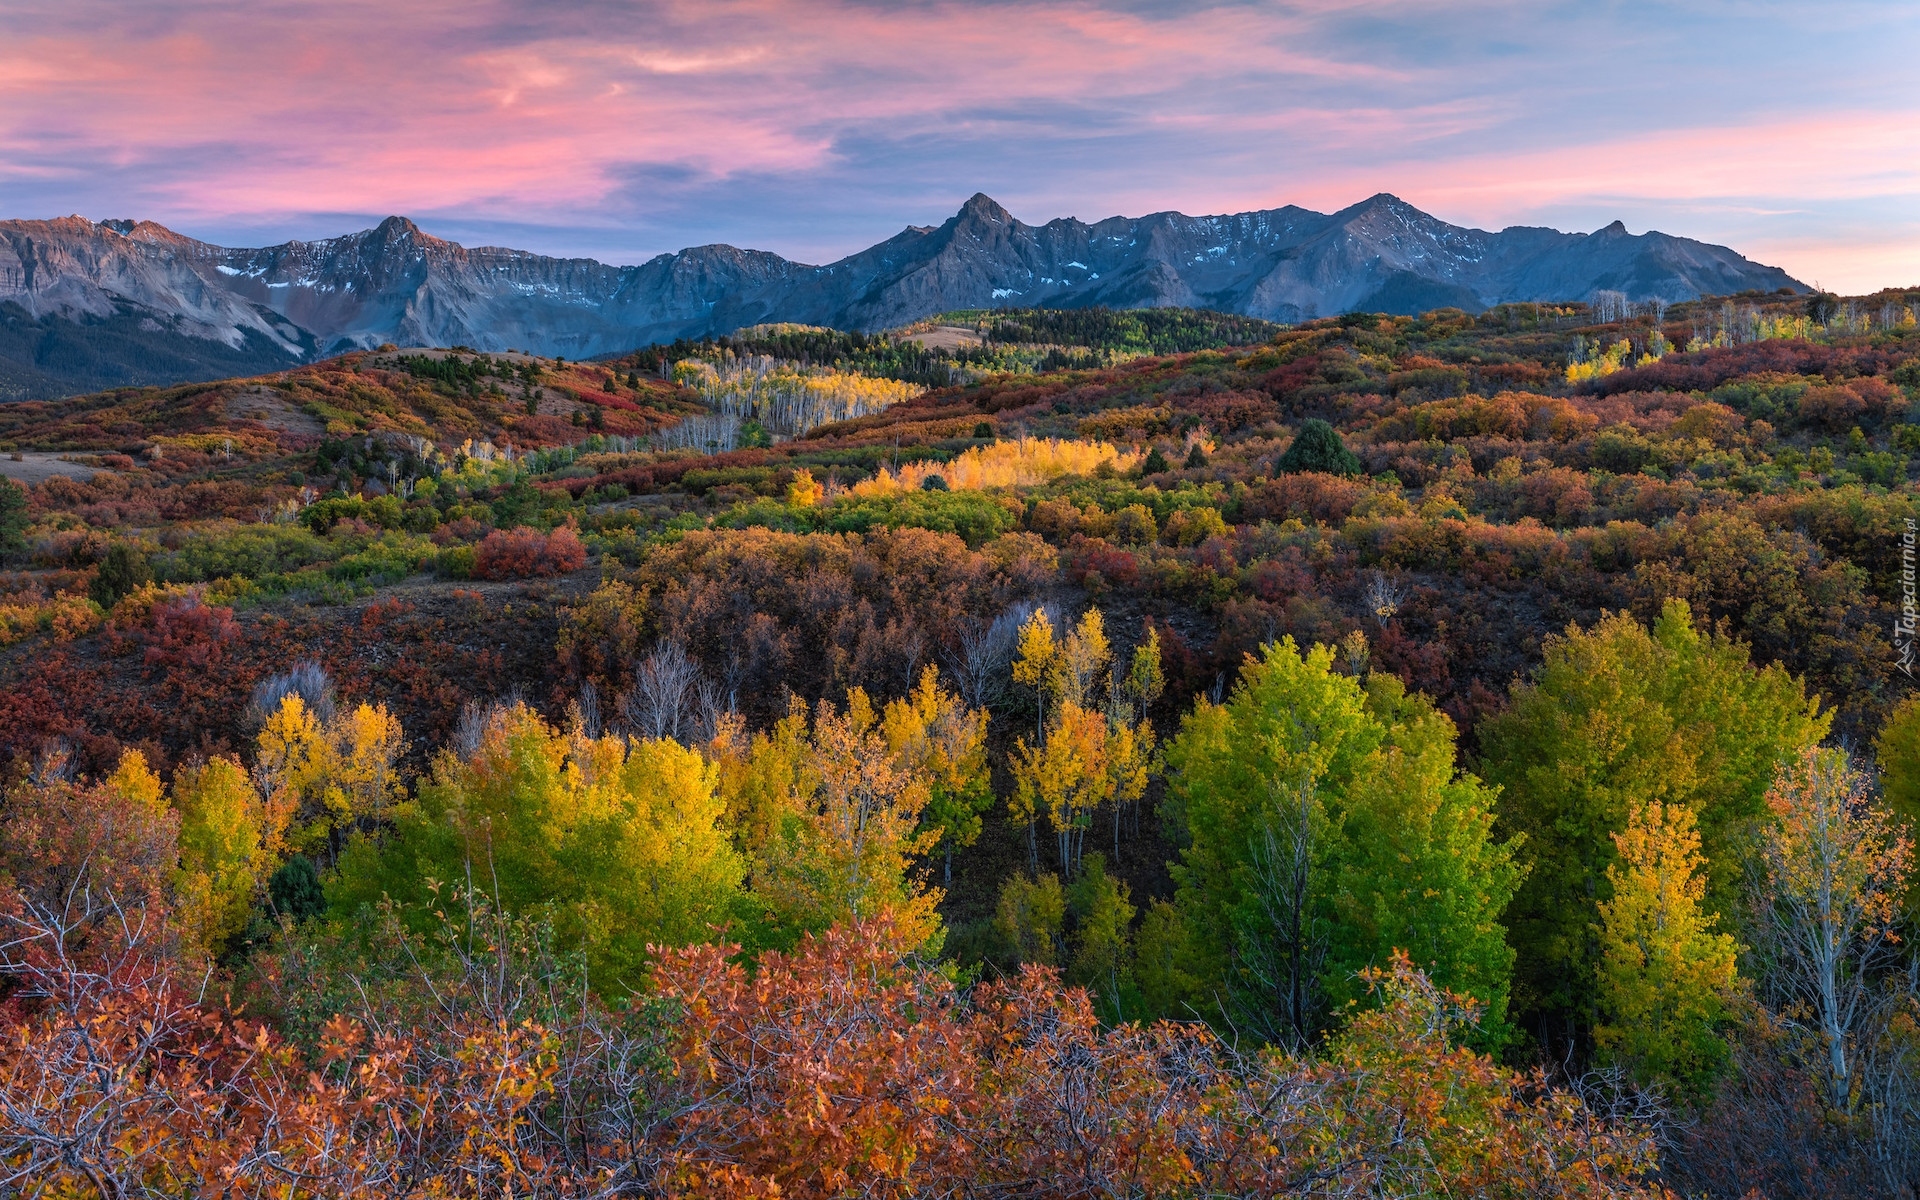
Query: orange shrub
[524,553]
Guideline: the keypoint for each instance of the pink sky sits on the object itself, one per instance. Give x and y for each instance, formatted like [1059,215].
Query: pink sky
[1790,132]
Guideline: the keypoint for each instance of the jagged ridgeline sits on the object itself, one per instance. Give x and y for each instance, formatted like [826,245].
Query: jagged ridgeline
[782,380]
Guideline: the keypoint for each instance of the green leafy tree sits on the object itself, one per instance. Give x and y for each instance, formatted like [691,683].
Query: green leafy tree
[1896,750]
[1326,827]
[1101,941]
[1317,447]
[1028,919]
[1617,716]
[621,843]
[1419,869]
[1164,967]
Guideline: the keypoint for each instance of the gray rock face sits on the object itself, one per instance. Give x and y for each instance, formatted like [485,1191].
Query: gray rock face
[85,304]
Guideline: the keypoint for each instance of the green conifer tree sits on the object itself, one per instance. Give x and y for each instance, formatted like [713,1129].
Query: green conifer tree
[1317,447]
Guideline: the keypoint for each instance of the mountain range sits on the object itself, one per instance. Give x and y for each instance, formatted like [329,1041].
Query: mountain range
[90,304]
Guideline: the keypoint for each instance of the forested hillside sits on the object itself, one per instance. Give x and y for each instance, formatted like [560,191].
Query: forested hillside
[1032,753]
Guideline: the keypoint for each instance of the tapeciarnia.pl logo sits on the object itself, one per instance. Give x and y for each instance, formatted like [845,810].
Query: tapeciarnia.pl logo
[1905,624]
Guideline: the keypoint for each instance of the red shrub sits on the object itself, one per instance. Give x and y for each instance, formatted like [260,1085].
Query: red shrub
[187,635]
[1094,556]
[523,552]
[1276,579]
[465,529]
[1308,495]
[606,399]
[1556,495]
[546,430]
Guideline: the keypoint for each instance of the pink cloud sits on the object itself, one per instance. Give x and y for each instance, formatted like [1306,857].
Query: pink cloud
[504,111]
[343,114]
[1708,179]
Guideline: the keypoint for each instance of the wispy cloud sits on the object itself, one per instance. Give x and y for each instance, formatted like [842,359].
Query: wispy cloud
[623,129]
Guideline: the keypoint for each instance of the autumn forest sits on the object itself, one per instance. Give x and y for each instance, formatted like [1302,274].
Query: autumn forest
[1029,753]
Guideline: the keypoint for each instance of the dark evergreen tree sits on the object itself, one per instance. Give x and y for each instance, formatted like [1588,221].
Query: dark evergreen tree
[1196,458]
[121,573]
[1156,463]
[13,517]
[1317,447]
[294,890]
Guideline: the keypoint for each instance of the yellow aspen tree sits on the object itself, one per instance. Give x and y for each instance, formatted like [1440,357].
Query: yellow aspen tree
[934,736]
[365,782]
[325,779]
[641,835]
[619,844]
[764,779]
[1036,663]
[135,781]
[804,491]
[1836,865]
[845,850]
[1034,666]
[1084,654]
[1132,756]
[1665,977]
[223,855]
[1130,762]
[293,760]
[1066,777]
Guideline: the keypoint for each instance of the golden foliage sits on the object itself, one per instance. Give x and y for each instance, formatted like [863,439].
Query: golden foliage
[1021,463]
[224,851]
[787,398]
[1665,976]
[324,779]
[830,816]
[65,617]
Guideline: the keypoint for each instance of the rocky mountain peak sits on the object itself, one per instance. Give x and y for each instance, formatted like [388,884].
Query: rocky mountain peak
[229,309]
[401,229]
[1387,202]
[982,207]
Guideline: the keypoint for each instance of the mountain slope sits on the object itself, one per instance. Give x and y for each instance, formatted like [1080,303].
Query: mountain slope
[86,305]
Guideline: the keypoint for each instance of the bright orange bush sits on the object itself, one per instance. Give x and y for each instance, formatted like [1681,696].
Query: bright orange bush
[525,553]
